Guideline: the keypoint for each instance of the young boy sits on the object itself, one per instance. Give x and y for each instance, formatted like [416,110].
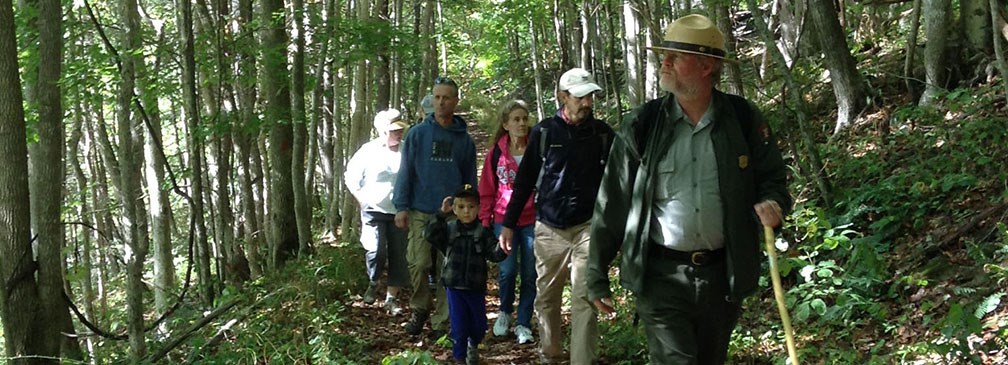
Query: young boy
[467,246]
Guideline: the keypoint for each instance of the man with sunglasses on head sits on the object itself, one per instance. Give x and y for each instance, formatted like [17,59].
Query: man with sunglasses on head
[563,164]
[690,178]
[438,156]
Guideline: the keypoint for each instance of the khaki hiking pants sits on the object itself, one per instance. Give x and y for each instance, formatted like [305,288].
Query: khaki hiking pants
[562,254]
[418,257]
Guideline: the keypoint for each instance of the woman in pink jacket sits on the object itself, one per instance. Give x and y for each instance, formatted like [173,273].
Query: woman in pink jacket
[496,183]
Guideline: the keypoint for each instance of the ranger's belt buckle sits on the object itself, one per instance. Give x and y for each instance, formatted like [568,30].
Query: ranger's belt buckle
[699,258]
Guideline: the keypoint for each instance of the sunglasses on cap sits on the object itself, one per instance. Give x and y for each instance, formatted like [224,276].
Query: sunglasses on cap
[440,80]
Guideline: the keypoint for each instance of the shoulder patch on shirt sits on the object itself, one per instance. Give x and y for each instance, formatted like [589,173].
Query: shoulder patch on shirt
[743,161]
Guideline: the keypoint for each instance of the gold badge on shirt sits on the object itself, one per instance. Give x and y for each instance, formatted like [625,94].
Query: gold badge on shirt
[743,161]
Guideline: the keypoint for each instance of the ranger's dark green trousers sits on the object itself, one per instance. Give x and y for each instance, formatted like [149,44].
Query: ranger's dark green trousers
[685,309]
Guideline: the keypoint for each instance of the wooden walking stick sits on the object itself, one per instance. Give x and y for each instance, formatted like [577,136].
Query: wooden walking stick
[768,235]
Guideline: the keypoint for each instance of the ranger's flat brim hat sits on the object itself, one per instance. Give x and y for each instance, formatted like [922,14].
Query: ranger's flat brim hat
[694,34]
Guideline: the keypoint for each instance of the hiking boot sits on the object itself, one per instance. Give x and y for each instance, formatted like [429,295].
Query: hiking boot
[392,307]
[524,334]
[502,324]
[437,334]
[416,323]
[369,295]
[472,355]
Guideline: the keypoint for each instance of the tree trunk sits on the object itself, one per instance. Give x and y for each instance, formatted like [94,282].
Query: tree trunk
[848,84]
[245,139]
[536,69]
[302,208]
[936,19]
[318,120]
[46,184]
[130,193]
[634,60]
[260,164]
[608,49]
[397,93]
[649,15]
[360,128]
[813,161]
[383,77]
[334,152]
[20,305]
[345,146]
[190,104]
[733,71]
[562,30]
[911,49]
[85,264]
[582,33]
[976,25]
[323,107]
[1000,33]
[786,19]
[102,219]
[276,91]
[159,209]
[83,211]
[232,265]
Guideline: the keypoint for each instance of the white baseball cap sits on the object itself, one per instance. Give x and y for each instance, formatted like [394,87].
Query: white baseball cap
[386,120]
[579,82]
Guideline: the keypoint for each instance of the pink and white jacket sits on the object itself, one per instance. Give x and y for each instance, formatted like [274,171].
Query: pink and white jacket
[496,187]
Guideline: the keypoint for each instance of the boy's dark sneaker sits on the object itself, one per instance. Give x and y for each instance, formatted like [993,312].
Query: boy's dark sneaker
[416,323]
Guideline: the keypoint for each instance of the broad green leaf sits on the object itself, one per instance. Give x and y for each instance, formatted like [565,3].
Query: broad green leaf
[819,306]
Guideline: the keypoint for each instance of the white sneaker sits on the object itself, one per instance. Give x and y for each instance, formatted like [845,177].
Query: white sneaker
[524,334]
[502,324]
[392,307]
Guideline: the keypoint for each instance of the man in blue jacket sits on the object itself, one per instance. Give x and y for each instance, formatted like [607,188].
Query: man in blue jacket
[690,178]
[563,163]
[438,156]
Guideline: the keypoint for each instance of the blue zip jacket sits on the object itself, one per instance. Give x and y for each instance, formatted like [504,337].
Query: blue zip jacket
[574,158]
[436,161]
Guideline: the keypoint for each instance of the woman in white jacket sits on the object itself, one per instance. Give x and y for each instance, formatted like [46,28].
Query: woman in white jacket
[370,176]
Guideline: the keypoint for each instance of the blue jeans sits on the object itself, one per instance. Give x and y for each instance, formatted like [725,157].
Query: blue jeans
[467,313]
[521,250]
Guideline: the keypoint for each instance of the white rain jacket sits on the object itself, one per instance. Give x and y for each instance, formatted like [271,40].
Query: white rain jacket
[371,174]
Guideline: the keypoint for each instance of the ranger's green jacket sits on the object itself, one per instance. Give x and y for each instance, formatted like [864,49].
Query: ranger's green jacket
[750,170]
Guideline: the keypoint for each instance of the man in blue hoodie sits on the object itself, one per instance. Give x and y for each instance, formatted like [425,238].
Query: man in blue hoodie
[438,156]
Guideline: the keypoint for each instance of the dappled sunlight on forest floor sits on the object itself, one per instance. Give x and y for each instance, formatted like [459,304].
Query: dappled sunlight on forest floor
[387,337]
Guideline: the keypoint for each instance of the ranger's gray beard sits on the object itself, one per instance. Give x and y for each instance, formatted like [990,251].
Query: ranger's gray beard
[668,83]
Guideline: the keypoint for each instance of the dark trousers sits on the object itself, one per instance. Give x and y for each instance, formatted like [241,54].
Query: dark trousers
[685,311]
[384,242]
[467,316]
